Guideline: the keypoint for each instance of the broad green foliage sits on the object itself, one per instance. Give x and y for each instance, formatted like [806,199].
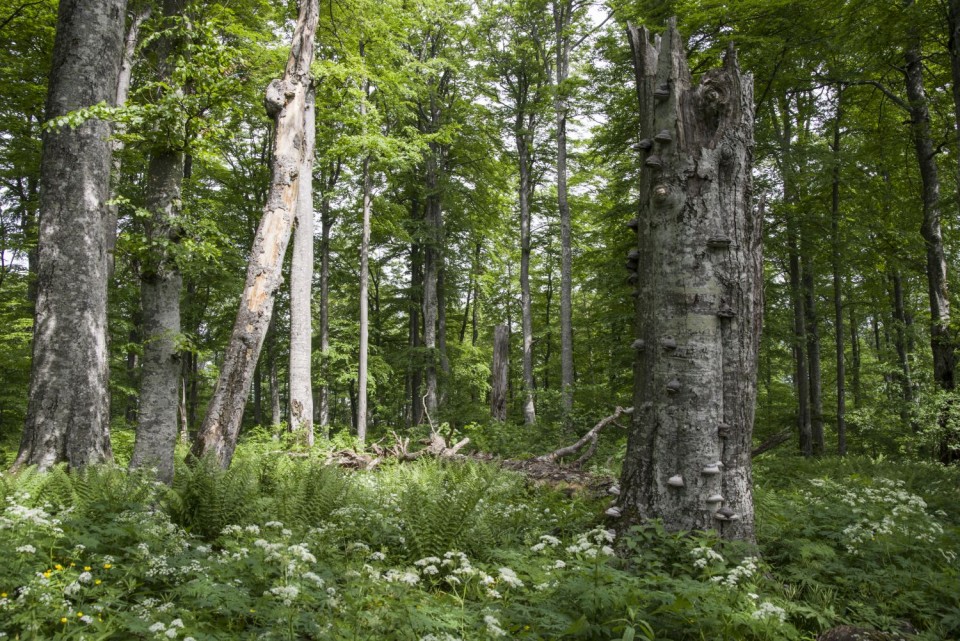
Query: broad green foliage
[285,547]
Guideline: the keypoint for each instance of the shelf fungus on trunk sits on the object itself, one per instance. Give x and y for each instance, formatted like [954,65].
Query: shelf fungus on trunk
[694,200]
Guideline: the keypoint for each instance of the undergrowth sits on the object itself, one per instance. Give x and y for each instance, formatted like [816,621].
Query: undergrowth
[282,547]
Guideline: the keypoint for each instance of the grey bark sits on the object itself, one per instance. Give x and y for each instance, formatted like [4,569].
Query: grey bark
[431,269]
[855,360]
[498,373]
[326,224]
[68,416]
[123,89]
[416,299]
[301,292]
[812,329]
[522,135]
[699,298]
[160,283]
[286,102]
[900,344]
[941,339]
[836,264]
[562,17]
[364,286]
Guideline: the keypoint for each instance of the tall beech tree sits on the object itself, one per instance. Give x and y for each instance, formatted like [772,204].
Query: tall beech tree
[698,308]
[68,413]
[286,102]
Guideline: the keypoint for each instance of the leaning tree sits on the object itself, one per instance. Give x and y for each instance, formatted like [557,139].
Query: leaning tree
[697,272]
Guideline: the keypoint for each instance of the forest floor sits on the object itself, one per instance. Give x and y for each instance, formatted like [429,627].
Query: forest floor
[283,547]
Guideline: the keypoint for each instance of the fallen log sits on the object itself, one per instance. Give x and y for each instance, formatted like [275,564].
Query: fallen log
[590,437]
[772,442]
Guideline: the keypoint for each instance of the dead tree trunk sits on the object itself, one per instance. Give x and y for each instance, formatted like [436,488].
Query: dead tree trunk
[501,363]
[698,305]
[301,294]
[286,101]
[68,412]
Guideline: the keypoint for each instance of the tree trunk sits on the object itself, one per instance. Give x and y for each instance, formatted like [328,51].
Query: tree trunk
[699,304]
[431,268]
[286,101]
[160,283]
[498,372]
[941,339]
[301,292]
[562,16]
[123,89]
[68,413]
[524,193]
[364,288]
[415,367]
[953,24]
[836,264]
[326,223]
[812,329]
[900,343]
[855,360]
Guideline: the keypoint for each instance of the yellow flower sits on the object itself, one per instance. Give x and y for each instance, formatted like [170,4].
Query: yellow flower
[87,568]
[97,582]
[72,564]
[107,566]
[79,614]
[46,574]
[63,619]
[58,567]
[3,595]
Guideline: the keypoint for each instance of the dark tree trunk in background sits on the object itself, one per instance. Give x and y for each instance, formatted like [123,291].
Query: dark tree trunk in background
[416,300]
[900,343]
[498,373]
[326,224]
[68,412]
[523,132]
[699,305]
[286,101]
[433,231]
[855,360]
[812,328]
[562,18]
[837,265]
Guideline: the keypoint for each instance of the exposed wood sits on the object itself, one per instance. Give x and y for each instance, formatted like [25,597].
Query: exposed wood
[588,438]
[286,102]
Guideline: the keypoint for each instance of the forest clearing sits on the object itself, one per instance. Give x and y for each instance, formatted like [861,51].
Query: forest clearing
[443,320]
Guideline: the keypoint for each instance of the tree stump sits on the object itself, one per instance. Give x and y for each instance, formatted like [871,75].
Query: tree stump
[697,270]
[501,362]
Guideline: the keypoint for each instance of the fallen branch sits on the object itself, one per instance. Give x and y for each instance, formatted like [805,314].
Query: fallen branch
[772,442]
[589,437]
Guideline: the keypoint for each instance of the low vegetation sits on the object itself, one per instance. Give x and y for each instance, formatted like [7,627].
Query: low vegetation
[282,547]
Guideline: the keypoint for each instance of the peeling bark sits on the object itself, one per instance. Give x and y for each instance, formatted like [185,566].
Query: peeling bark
[301,293]
[698,298]
[286,101]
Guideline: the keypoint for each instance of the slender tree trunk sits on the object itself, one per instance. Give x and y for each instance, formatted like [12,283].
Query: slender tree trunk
[364,288]
[837,265]
[698,330]
[499,373]
[548,317]
[301,291]
[326,223]
[133,366]
[953,24]
[431,268]
[525,191]
[286,102]
[812,328]
[855,359]
[68,412]
[562,16]
[258,395]
[123,90]
[416,298]
[900,344]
